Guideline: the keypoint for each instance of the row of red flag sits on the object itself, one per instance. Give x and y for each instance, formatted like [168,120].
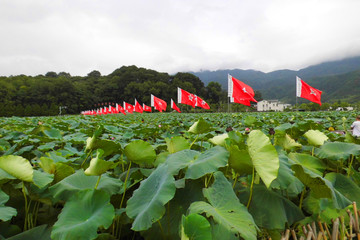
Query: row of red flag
[238,92]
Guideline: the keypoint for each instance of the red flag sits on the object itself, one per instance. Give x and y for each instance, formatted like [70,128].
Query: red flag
[120,109]
[173,106]
[201,103]
[158,103]
[239,92]
[304,90]
[146,108]
[128,107]
[185,97]
[138,108]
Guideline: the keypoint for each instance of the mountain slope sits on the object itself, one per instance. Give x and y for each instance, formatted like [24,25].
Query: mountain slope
[281,84]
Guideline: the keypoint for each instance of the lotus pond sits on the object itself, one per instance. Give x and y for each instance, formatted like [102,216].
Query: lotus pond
[175,176]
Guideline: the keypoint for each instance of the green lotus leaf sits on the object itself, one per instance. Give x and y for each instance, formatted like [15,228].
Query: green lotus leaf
[219,139]
[264,156]
[79,181]
[42,179]
[320,187]
[224,207]
[82,215]
[285,141]
[312,163]
[195,227]
[271,210]
[220,232]
[17,166]
[344,186]
[46,147]
[240,160]
[146,206]
[140,152]
[201,126]
[62,171]
[249,120]
[209,161]
[315,137]
[98,166]
[6,213]
[42,232]
[180,160]
[176,144]
[286,179]
[338,150]
[53,133]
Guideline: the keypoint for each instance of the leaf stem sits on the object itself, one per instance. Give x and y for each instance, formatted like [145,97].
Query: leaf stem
[194,141]
[162,230]
[251,188]
[302,197]
[236,178]
[98,181]
[26,207]
[127,176]
[350,165]
[87,156]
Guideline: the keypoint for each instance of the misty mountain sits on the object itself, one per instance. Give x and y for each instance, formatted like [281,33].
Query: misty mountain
[280,84]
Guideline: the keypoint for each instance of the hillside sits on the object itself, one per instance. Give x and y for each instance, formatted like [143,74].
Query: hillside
[344,74]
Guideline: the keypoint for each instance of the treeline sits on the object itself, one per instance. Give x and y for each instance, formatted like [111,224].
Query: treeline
[44,94]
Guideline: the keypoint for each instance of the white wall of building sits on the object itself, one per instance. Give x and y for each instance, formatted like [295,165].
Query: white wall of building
[271,105]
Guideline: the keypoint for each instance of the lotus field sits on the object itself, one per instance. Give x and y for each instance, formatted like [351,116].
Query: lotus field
[175,176]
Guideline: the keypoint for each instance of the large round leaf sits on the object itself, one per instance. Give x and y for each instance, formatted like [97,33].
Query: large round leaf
[240,160]
[315,137]
[208,162]
[225,208]
[83,214]
[79,181]
[264,156]
[18,167]
[312,163]
[271,210]
[180,160]
[98,166]
[338,150]
[176,144]
[140,152]
[219,139]
[146,205]
[201,126]
[195,227]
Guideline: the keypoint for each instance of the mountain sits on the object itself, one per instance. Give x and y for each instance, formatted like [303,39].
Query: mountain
[281,84]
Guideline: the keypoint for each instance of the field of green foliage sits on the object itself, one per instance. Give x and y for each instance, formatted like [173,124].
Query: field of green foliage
[175,176]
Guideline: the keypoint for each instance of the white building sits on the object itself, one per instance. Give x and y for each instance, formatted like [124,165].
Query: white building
[271,105]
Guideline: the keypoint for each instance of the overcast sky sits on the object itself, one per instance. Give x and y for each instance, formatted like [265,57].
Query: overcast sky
[78,36]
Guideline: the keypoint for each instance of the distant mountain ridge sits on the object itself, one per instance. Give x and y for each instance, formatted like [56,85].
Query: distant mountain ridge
[280,84]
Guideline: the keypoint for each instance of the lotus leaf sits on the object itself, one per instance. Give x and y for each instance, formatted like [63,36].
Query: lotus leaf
[98,166]
[209,161]
[315,137]
[225,208]
[219,139]
[140,152]
[264,156]
[338,150]
[176,144]
[201,126]
[146,206]
[6,213]
[195,227]
[82,215]
[18,167]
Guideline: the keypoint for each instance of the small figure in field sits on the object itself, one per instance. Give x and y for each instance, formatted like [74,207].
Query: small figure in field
[356,127]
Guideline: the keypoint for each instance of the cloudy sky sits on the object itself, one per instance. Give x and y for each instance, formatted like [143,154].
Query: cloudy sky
[78,36]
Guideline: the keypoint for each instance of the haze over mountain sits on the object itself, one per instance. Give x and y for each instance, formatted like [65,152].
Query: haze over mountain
[339,80]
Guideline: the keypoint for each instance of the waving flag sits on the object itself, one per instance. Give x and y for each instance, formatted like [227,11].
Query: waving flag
[173,106]
[146,108]
[120,109]
[185,97]
[158,103]
[239,92]
[128,107]
[304,90]
[201,103]
[138,108]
